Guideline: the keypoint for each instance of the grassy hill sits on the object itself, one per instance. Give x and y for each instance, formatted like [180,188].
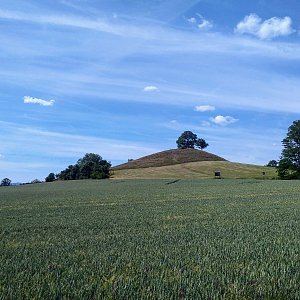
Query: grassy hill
[169,157]
[187,163]
[198,170]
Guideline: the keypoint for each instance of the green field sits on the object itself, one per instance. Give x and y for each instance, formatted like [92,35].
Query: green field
[151,239]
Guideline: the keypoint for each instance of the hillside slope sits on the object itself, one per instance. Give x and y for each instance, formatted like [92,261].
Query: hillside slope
[198,170]
[169,157]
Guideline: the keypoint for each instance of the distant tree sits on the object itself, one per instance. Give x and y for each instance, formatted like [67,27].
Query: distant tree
[35,181]
[5,182]
[50,177]
[272,163]
[90,166]
[189,140]
[289,163]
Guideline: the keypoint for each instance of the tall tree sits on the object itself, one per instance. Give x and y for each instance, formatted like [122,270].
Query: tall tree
[189,140]
[289,164]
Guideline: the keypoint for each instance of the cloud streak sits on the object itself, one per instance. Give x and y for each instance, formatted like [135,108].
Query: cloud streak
[31,100]
[151,88]
[204,108]
[99,24]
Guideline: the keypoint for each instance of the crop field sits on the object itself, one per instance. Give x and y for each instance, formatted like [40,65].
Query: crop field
[151,239]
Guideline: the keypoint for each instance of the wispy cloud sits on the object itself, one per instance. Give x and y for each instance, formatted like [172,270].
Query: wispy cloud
[95,24]
[31,100]
[151,88]
[223,120]
[204,23]
[72,21]
[204,108]
[65,145]
[192,20]
[205,124]
[201,22]
[268,29]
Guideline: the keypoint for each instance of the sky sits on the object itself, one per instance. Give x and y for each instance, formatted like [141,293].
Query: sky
[124,78]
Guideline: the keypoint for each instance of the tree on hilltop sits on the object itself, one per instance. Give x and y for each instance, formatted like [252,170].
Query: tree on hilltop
[189,140]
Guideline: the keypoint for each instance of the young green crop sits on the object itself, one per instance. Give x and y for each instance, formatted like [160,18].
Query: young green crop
[191,239]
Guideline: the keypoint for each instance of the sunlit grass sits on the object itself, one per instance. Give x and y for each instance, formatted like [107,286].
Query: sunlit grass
[199,170]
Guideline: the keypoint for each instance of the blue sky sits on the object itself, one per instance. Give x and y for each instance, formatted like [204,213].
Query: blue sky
[125,78]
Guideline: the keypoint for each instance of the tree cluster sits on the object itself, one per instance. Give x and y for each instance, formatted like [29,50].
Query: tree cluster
[289,163]
[272,163]
[290,160]
[5,182]
[189,140]
[91,166]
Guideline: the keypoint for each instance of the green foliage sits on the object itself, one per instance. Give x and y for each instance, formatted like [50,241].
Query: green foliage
[189,140]
[90,166]
[201,144]
[34,181]
[272,163]
[289,164]
[5,182]
[50,177]
[190,239]
[286,170]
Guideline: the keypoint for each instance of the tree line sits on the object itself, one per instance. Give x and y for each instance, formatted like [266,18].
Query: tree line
[91,166]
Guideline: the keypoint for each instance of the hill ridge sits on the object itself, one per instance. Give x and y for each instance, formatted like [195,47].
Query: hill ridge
[169,157]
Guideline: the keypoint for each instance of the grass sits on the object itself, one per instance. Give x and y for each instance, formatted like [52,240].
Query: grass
[199,170]
[147,239]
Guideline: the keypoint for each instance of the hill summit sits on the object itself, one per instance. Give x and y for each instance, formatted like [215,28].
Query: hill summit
[169,157]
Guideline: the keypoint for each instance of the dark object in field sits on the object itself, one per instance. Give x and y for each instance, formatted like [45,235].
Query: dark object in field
[171,182]
[218,174]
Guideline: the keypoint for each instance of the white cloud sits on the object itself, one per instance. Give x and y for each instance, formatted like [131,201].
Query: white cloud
[192,20]
[203,23]
[203,108]
[223,121]
[250,24]
[268,29]
[151,88]
[31,100]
